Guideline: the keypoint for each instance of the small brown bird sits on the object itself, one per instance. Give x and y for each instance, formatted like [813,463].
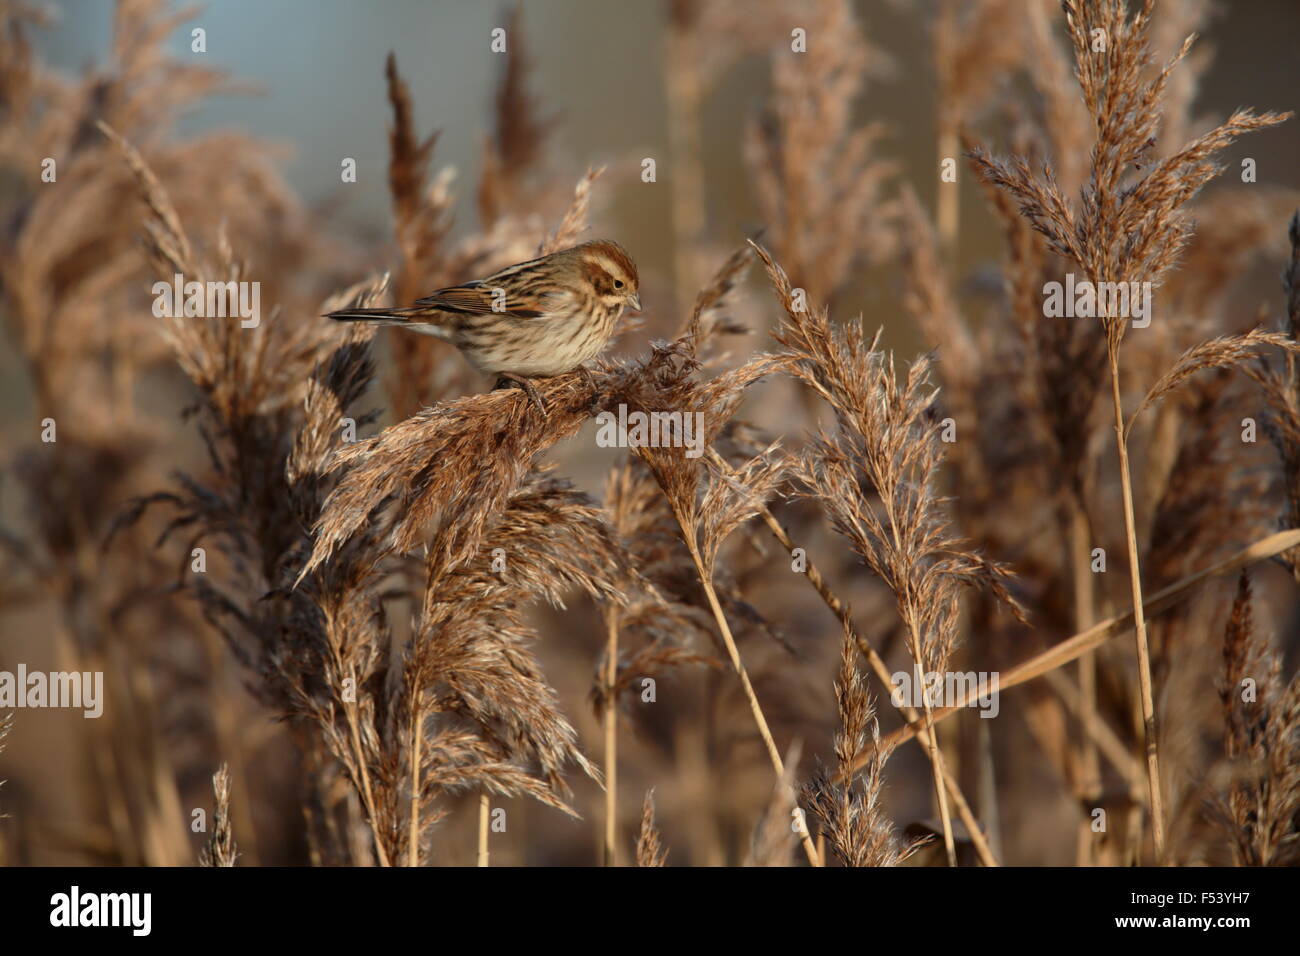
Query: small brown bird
[536,319]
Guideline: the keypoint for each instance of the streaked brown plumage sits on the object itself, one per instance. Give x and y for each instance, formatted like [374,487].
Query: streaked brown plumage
[535,319]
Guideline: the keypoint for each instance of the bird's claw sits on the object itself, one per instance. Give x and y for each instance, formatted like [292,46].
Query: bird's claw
[594,406]
[528,387]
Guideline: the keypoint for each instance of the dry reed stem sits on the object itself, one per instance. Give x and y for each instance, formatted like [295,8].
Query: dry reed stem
[734,654]
[1098,734]
[359,761]
[683,88]
[6,726]
[484,820]
[1090,768]
[885,441]
[611,737]
[770,840]
[931,742]
[879,668]
[1078,645]
[1124,232]
[1147,695]
[416,735]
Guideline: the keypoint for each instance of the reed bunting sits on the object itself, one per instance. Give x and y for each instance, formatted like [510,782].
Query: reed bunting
[536,319]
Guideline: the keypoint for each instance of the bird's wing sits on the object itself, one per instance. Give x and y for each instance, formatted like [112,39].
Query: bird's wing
[482,298]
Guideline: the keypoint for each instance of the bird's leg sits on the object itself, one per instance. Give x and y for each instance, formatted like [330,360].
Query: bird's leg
[595,389]
[529,389]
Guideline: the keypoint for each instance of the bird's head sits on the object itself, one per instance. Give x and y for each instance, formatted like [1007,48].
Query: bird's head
[612,272]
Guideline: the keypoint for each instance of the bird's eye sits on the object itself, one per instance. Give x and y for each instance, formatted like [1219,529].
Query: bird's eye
[618,283]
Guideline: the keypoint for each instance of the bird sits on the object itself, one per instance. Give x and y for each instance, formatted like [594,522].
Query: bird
[534,319]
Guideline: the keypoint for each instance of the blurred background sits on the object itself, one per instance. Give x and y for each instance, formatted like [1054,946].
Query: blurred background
[308,84]
[316,78]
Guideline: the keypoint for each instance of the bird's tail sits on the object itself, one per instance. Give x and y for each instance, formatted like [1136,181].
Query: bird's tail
[416,318]
[407,316]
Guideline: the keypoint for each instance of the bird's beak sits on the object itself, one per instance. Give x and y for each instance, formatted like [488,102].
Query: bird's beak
[634,300]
